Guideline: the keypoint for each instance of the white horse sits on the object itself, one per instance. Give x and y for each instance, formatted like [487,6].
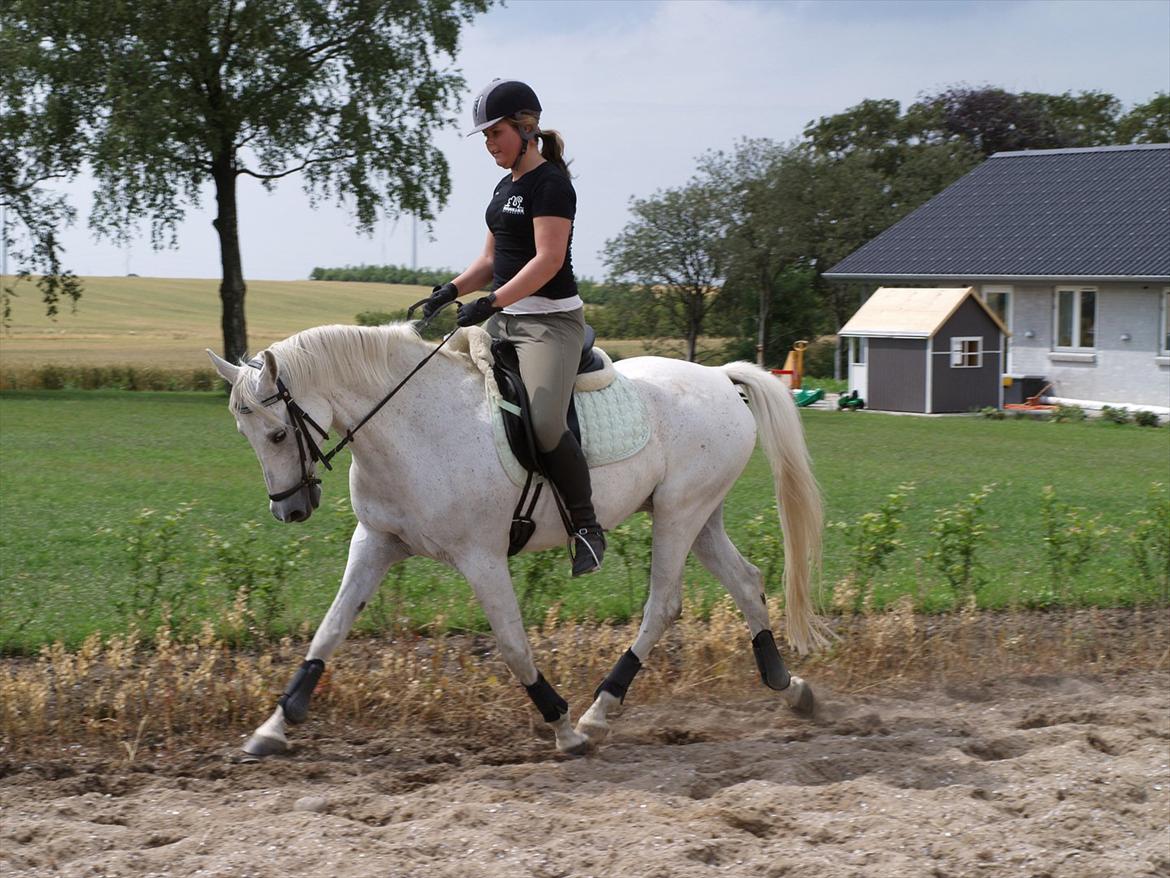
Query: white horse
[426,480]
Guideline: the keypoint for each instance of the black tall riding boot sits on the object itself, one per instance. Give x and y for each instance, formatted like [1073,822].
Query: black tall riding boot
[569,473]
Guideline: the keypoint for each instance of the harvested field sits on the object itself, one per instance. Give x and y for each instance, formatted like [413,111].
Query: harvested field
[968,751]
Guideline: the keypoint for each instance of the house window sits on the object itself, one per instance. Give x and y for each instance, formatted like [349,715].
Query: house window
[966,352]
[999,300]
[1076,318]
[1165,333]
[858,348]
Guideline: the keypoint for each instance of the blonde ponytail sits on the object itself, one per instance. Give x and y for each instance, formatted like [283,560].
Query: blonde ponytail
[552,145]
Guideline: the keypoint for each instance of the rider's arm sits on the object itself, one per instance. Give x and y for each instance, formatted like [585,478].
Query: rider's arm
[479,274]
[552,244]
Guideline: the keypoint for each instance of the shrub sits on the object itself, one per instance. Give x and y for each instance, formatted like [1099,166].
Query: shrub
[1111,415]
[64,377]
[990,411]
[874,537]
[1149,543]
[1144,418]
[957,532]
[1070,536]
[1068,413]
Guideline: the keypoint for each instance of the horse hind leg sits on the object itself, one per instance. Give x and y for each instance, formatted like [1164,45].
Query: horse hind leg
[745,583]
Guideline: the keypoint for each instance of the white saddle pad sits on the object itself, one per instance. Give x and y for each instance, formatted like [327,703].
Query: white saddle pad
[614,421]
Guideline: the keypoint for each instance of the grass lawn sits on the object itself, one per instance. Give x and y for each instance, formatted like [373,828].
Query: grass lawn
[78,467]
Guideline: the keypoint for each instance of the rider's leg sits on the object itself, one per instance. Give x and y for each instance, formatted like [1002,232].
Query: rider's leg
[548,347]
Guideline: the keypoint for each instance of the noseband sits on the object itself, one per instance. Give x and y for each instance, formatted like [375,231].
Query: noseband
[307,448]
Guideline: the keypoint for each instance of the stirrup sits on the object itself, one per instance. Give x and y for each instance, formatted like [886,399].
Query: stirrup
[589,545]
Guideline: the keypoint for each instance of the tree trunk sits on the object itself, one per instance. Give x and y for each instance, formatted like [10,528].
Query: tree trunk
[694,324]
[232,287]
[765,306]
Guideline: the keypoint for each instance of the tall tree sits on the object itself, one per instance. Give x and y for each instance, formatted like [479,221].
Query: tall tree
[1146,123]
[675,245]
[159,98]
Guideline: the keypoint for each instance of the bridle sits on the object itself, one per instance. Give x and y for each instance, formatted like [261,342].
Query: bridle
[308,450]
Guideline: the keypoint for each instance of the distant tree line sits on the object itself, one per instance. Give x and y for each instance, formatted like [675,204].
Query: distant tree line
[385,274]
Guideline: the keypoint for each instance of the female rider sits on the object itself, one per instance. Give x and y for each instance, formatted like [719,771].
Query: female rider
[534,302]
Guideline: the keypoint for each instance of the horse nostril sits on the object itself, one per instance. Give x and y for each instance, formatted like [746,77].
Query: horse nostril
[296,515]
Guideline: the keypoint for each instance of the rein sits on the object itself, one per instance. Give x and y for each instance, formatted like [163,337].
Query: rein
[307,447]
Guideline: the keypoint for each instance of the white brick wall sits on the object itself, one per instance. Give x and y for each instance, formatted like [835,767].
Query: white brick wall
[1122,372]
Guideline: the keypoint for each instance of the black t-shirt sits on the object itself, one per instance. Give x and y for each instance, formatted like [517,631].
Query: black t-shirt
[544,191]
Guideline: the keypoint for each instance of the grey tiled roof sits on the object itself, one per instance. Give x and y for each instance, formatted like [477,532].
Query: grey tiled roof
[1075,213]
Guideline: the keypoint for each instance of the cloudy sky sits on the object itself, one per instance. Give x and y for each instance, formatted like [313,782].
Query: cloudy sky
[639,88]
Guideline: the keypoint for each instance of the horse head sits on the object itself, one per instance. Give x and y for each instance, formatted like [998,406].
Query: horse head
[278,429]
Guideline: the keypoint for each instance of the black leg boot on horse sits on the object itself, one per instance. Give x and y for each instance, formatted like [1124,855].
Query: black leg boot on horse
[569,473]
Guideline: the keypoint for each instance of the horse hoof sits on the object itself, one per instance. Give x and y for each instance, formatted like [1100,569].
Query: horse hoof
[575,748]
[803,702]
[263,745]
[595,732]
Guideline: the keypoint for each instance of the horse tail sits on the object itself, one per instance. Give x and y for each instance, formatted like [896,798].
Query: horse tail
[797,496]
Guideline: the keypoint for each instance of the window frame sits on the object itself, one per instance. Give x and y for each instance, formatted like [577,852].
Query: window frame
[958,354]
[1078,292]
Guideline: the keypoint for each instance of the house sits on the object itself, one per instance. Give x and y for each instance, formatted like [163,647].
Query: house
[1069,248]
[926,350]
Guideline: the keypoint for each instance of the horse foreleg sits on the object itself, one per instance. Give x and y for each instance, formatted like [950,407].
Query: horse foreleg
[663,607]
[493,588]
[370,555]
[744,581]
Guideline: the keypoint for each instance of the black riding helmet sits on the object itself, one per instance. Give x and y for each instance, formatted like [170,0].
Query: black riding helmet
[503,99]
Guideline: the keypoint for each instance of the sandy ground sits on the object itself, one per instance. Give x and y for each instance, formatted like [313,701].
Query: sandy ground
[1044,777]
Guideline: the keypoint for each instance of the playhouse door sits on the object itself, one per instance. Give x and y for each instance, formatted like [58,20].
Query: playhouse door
[858,366]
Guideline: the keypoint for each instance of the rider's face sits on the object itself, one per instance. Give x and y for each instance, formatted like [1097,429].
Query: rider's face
[503,142]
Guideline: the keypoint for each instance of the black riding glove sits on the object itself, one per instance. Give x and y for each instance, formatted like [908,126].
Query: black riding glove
[478,311]
[440,296]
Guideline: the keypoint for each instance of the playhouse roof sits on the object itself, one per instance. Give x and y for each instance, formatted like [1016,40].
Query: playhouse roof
[911,312]
[1099,213]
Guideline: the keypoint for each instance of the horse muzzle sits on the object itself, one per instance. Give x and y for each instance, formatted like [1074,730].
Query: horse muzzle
[298,506]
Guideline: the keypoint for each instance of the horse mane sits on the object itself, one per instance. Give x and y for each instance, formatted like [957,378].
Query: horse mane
[341,355]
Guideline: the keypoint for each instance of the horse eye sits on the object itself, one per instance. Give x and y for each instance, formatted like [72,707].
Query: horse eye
[278,436]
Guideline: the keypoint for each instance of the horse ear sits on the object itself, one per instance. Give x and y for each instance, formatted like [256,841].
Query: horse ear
[226,370]
[267,380]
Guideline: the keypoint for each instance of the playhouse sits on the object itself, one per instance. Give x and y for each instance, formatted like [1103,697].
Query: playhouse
[928,350]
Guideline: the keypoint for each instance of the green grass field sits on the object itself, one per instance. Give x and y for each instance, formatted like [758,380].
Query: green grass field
[78,467]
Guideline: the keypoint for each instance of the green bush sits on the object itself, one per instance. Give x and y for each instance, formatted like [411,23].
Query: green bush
[69,377]
[1111,415]
[1068,414]
[990,411]
[1144,418]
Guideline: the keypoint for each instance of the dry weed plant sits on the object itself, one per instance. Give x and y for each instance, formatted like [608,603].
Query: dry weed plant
[119,695]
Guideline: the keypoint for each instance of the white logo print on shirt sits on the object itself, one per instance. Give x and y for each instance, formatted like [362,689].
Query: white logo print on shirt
[515,204]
